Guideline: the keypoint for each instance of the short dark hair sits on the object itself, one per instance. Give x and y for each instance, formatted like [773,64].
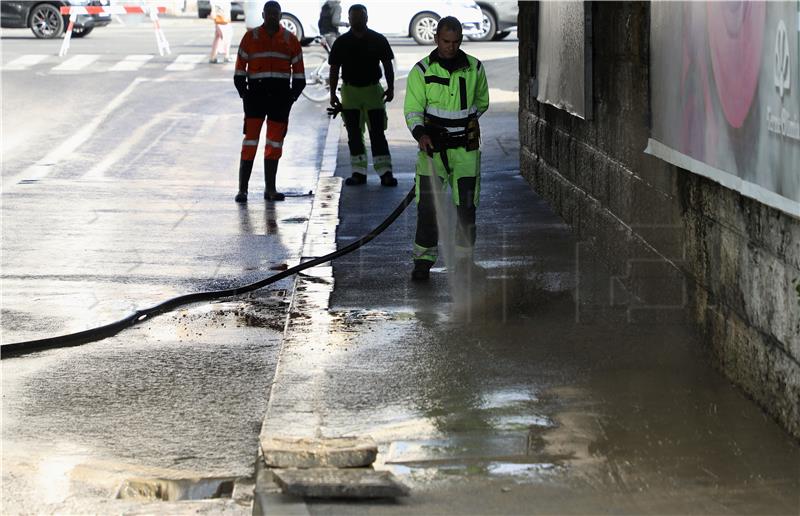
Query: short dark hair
[449,23]
[272,3]
[357,7]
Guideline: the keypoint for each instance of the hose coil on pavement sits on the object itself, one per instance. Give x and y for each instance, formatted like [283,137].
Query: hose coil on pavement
[108,330]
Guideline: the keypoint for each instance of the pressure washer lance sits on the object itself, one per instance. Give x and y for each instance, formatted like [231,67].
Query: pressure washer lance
[102,332]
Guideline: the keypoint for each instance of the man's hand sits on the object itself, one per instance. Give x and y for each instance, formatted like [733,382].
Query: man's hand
[388,95]
[425,143]
[335,103]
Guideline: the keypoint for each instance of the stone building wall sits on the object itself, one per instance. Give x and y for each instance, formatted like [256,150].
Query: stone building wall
[681,244]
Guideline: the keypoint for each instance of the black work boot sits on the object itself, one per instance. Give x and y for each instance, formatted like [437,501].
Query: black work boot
[245,169]
[422,270]
[356,179]
[387,179]
[270,172]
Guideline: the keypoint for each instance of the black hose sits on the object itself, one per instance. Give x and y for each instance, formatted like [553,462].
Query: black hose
[102,332]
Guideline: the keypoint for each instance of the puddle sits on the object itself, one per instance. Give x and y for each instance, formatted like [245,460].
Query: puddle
[171,490]
[419,475]
[507,398]
[520,470]
[521,422]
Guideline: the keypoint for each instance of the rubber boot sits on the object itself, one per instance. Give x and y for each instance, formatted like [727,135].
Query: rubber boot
[387,179]
[422,270]
[356,179]
[245,169]
[270,173]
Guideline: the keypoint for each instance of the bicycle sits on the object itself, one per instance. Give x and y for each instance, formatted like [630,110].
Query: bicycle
[318,87]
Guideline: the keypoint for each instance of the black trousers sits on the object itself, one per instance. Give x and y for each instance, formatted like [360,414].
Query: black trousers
[427,229]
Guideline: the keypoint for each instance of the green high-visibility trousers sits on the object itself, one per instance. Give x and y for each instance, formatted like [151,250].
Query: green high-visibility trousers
[363,107]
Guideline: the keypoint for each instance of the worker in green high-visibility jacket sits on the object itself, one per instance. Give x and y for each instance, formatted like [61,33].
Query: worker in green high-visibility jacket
[358,53]
[446,93]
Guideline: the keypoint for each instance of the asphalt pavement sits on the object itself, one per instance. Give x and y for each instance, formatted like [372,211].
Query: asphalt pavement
[534,391]
[537,390]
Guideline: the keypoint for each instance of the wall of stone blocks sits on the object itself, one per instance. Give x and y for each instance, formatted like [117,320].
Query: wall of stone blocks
[684,245]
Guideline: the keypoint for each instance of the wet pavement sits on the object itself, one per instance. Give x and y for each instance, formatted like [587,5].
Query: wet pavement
[143,212]
[538,390]
[529,392]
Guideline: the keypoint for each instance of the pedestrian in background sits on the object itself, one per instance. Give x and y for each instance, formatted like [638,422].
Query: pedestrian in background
[359,53]
[330,19]
[269,77]
[446,92]
[223,32]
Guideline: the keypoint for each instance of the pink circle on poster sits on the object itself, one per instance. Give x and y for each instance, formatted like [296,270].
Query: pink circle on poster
[735,36]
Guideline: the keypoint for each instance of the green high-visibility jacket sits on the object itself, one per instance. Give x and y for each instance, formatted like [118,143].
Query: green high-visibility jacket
[443,98]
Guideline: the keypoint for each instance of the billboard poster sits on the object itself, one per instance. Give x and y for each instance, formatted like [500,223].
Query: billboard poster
[563,70]
[725,94]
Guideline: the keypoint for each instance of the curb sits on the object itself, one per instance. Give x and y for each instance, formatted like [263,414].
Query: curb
[315,242]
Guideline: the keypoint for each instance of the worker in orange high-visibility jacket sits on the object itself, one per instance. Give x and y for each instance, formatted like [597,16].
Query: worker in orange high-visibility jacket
[269,77]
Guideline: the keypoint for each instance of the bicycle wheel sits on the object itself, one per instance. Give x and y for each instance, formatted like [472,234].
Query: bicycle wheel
[317,77]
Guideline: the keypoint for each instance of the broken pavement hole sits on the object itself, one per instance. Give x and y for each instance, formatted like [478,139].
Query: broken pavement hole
[171,490]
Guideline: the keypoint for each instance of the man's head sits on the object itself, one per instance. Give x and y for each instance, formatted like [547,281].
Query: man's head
[448,37]
[357,15]
[272,15]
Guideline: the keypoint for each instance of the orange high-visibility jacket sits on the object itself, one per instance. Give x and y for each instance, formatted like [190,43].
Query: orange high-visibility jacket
[269,61]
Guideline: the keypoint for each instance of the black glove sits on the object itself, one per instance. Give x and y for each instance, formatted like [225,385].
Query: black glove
[334,110]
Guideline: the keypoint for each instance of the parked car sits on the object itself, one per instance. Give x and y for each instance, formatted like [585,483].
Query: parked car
[300,17]
[204,9]
[414,18]
[45,20]
[499,19]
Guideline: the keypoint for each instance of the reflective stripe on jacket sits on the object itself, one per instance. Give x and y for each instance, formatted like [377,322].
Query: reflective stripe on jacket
[262,56]
[442,98]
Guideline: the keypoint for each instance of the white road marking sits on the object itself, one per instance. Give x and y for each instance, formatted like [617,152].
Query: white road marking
[208,125]
[25,62]
[185,62]
[131,63]
[43,167]
[99,170]
[76,63]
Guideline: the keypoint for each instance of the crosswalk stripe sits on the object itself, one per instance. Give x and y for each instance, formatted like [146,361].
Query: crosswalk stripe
[25,62]
[186,62]
[131,63]
[76,63]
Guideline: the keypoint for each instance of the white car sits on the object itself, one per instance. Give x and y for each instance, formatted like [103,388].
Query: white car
[417,19]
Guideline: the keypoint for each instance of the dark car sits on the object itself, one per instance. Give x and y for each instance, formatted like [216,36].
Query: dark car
[45,20]
[499,18]
[204,9]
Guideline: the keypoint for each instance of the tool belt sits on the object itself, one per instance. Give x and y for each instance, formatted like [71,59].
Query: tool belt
[468,137]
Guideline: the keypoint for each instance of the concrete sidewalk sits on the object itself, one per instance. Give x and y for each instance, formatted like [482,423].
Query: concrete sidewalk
[538,391]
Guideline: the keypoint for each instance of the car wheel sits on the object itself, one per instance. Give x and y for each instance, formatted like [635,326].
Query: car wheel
[488,27]
[501,35]
[292,24]
[46,22]
[81,32]
[423,28]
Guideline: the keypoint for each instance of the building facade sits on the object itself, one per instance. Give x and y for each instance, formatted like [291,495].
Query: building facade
[686,236]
